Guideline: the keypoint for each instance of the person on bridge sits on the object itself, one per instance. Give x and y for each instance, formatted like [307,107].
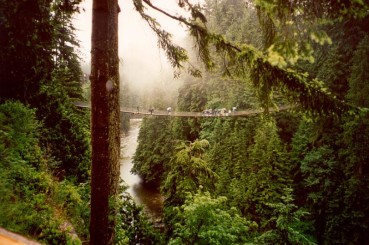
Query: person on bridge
[151,110]
[169,110]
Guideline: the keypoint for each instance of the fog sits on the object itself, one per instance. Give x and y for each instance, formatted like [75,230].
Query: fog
[144,69]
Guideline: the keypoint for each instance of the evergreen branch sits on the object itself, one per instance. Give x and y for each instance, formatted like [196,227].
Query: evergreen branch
[200,33]
[195,27]
[178,18]
[310,93]
[175,54]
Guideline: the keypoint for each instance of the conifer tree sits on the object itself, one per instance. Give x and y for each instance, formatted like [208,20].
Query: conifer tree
[359,78]
[26,46]
[267,173]
[188,171]
[155,148]
[207,220]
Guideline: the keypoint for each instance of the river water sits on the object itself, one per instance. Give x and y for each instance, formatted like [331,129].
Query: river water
[149,198]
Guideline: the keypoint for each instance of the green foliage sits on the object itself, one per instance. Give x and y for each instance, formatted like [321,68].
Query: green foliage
[266,174]
[268,74]
[67,67]
[40,67]
[228,154]
[187,172]
[333,63]
[287,123]
[65,125]
[329,181]
[235,20]
[192,96]
[311,94]
[19,132]
[358,80]
[224,92]
[328,156]
[301,141]
[289,228]
[331,151]
[25,48]
[207,220]
[74,201]
[133,225]
[155,147]
[293,28]
[31,201]
[37,39]
[356,184]
[334,71]
[322,173]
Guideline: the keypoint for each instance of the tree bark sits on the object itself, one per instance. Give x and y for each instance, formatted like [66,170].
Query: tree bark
[104,121]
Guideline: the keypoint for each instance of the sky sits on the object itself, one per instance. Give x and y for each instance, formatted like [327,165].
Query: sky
[142,63]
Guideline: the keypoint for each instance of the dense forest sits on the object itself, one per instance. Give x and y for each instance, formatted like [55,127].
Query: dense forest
[296,176]
[290,177]
[44,138]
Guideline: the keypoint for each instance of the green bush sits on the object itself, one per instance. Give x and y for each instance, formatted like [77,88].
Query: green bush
[207,220]
[32,203]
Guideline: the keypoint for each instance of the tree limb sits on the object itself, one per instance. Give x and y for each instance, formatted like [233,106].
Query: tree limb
[310,93]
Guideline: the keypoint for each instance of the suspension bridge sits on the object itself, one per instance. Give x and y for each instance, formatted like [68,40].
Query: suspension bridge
[139,113]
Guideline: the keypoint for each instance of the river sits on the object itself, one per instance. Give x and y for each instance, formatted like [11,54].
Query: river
[150,199]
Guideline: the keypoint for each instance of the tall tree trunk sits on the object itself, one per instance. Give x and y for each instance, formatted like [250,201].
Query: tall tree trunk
[104,121]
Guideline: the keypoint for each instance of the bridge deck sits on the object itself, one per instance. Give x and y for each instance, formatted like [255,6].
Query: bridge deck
[191,114]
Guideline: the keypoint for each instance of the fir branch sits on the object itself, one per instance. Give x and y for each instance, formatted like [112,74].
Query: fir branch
[178,18]
[175,54]
[309,93]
